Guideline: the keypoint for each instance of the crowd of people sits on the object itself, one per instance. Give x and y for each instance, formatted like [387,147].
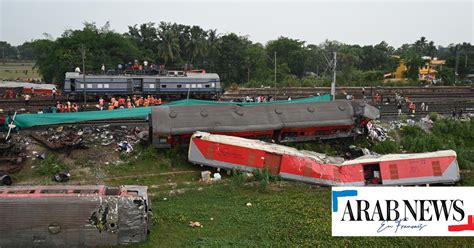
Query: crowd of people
[127,102]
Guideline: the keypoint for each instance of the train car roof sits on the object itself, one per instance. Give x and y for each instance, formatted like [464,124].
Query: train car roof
[237,118]
[190,75]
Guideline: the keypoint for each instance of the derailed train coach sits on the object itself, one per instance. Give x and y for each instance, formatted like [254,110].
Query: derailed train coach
[227,152]
[73,216]
[290,122]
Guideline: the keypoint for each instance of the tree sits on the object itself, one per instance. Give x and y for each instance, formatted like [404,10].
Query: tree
[196,44]
[290,51]
[169,48]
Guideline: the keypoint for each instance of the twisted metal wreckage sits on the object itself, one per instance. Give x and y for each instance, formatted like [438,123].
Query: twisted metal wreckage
[73,216]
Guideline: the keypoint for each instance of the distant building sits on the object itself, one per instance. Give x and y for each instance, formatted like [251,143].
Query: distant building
[427,72]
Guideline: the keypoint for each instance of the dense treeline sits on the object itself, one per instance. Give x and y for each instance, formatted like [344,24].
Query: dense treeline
[235,58]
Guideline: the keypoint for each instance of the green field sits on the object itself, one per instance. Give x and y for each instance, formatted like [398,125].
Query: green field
[14,70]
[282,214]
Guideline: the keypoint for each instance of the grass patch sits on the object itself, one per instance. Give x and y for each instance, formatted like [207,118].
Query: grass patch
[297,215]
[50,166]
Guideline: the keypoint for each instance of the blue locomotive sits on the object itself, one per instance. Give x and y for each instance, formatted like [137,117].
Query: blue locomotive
[197,83]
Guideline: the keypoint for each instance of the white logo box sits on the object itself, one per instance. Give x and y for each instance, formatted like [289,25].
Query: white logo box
[422,211]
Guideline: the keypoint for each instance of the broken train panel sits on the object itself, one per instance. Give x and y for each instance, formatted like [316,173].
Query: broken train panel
[229,152]
[73,216]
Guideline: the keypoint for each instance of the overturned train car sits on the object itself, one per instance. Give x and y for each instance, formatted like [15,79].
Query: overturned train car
[73,216]
[291,122]
[229,152]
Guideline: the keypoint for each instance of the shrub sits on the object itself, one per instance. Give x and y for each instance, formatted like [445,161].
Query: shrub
[386,147]
[434,116]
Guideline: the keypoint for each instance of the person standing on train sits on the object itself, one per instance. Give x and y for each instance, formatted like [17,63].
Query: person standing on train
[53,92]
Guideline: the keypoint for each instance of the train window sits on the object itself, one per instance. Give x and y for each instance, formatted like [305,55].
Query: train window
[207,85]
[53,191]
[106,85]
[112,191]
[199,85]
[152,86]
[193,85]
[180,73]
[163,86]
[188,85]
[81,86]
[157,80]
[100,86]
[213,85]
[179,86]
[89,86]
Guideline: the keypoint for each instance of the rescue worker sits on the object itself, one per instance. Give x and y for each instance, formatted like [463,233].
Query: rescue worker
[101,103]
[75,108]
[422,106]
[399,107]
[110,107]
[115,104]
[68,106]
[121,101]
[53,92]
[27,99]
[412,107]
[129,103]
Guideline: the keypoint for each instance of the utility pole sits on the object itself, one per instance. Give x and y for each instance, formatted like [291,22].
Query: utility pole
[275,60]
[333,84]
[83,52]
[457,64]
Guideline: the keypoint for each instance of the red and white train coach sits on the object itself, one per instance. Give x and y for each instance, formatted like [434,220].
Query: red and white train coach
[229,152]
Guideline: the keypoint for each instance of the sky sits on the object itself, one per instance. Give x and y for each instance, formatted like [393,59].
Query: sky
[347,21]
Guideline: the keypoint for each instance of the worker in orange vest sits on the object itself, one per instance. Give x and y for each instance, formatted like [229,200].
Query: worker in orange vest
[110,107]
[158,101]
[140,101]
[75,107]
[115,104]
[412,107]
[146,103]
[68,106]
[121,101]
[61,108]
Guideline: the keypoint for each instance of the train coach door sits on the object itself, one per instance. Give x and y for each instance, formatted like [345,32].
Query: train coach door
[272,163]
[137,86]
[372,175]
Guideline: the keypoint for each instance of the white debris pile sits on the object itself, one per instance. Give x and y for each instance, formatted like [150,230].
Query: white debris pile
[377,132]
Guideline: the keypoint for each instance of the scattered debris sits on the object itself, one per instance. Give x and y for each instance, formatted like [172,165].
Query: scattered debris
[124,146]
[206,176]
[248,204]
[5,179]
[62,177]
[377,132]
[194,224]
[217,176]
